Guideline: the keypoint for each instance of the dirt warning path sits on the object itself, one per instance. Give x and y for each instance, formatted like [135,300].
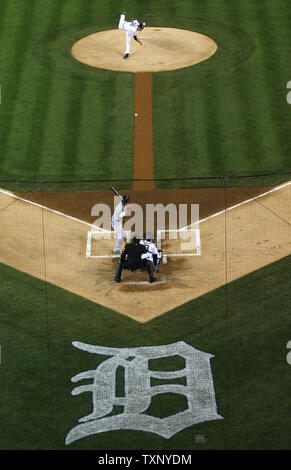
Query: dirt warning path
[235,242]
[143,155]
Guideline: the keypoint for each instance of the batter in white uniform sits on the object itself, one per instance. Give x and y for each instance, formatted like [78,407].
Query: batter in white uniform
[116,221]
[131,28]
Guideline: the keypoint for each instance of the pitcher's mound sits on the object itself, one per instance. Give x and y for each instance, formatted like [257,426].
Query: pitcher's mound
[163,49]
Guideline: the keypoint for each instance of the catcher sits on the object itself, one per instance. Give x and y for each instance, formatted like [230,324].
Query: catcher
[152,254]
[131,258]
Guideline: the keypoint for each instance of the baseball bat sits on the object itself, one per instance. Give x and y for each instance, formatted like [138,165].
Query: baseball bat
[116,192]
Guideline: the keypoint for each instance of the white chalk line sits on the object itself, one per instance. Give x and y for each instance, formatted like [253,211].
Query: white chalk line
[53,210]
[89,244]
[281,186]
[277,188]
[144,283]
[198,243]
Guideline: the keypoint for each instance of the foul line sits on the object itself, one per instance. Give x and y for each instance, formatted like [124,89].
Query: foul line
[54,211]
[183,228]
[237,205]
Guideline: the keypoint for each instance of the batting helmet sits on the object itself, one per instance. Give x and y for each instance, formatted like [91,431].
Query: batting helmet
[125,200]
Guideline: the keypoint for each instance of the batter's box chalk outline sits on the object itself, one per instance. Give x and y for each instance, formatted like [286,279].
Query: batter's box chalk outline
[184,230]
[145,283]
[97,235]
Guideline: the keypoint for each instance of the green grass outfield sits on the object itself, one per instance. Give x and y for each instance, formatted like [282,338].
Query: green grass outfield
[61,121]
[246,325]
[228,115]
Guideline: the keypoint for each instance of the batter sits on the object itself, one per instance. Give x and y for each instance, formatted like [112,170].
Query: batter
[117,218]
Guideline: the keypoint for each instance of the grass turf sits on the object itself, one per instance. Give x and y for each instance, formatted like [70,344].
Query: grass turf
[55,124]
[61,119]
[245,324]
[230,118]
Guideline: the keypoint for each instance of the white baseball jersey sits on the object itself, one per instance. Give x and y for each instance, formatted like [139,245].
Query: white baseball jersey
[118,215]
[130,27]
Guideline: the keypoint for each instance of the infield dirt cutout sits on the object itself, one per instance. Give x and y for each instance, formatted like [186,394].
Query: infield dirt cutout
[163,49]
[52,247]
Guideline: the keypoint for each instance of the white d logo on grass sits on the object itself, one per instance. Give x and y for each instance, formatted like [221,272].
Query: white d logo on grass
[138,390]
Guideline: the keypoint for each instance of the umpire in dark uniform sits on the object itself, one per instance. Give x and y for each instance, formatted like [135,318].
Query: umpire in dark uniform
[131,259]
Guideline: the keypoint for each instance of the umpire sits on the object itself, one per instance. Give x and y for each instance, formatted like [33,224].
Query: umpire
[131,259]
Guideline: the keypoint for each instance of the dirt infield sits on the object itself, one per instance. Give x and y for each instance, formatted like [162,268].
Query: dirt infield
[163,49]
[235,242]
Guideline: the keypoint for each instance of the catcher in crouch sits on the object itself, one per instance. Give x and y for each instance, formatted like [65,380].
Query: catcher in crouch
[132,258]
[152,254]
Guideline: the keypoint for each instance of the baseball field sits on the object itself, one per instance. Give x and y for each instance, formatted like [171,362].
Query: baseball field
[198,116]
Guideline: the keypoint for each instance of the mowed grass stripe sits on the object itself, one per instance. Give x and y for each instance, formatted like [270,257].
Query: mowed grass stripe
[15,41]
[42,95]
[89,144]
[258,79]
[31,103]
[104,148]
[234,116]
[89,126]
[74,95]
[3,21]
[174,121]
[225,140]
[215,136]
[201,159]
[272,111]
[61,132]
[207,123]
[198,114]
[176,139]
[54,131]
[276,78]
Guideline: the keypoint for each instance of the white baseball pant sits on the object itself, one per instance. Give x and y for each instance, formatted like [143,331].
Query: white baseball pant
[121,26]
[119,235]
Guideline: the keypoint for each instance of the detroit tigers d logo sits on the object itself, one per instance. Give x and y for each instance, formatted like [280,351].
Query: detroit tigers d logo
[138,390]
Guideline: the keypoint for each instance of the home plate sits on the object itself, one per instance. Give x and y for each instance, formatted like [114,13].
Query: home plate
[145,283]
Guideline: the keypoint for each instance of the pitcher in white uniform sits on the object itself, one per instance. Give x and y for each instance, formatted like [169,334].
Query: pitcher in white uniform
[131,28]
